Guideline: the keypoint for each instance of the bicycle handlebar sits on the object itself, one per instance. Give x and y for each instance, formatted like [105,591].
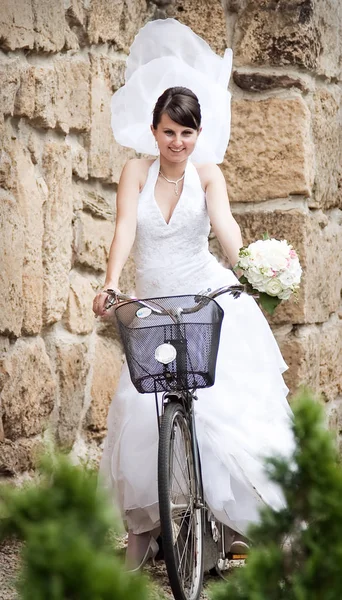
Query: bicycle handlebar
[117,298]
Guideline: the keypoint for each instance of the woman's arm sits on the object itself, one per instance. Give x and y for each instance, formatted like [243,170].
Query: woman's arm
[223,223]
[125,228]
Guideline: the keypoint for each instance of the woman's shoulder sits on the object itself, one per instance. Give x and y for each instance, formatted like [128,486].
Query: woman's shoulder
[208,172]
[138,168]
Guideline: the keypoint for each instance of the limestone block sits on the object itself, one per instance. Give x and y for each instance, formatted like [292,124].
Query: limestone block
[49,24]
[206,19]
[79,317]
[327,132]
[4,344]
[45,92]
[16,25]
[216,249]
[38,24]
[334,414]
[72,368]
[28,393]
[75,11]
[108,327]
[30,195]
[9,83]
[318,241]
[98,201]
[56,96]
[34,141]
[57,242]
[263,82]
[71,40]
[19,456]
[92,241]
[300,349]
[323,264]
[115,21]
[79,158]
[306,34]
[25,97]
[330,369]
[7,179]
[72,94]
[106,157]
[106,372]
[11,264]
[127,278]
[270,153]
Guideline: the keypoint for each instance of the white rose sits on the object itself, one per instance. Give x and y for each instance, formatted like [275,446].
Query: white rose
[286,278]
[278,254]
[257,280]
[285,294]
[244,262]
[296,270]
[274,287]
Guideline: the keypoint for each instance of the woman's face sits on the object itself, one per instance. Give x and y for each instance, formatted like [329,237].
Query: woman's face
[175,141]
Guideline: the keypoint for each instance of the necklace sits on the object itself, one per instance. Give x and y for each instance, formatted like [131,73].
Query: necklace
[175,183]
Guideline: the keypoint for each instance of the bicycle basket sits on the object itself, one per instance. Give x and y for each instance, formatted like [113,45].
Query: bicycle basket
[194,341]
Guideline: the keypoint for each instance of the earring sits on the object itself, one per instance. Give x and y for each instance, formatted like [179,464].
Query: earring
[156,144]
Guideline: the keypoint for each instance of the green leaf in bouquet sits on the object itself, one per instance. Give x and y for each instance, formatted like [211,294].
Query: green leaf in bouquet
[268,303]
[266,236]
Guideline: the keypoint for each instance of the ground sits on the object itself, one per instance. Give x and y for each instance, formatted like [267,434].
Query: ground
[9,563]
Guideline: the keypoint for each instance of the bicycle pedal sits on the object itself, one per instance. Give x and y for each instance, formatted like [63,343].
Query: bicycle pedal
[233,556]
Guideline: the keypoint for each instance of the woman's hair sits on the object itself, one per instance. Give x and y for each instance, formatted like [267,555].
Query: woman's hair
[181,105]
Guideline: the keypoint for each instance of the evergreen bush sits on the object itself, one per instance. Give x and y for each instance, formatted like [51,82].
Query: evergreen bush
[64,523]
[297,553]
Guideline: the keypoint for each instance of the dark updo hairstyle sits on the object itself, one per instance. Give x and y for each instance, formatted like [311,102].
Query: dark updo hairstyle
[181,105]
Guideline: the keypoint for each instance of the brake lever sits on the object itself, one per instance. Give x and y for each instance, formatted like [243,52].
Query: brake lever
[111,299]
[236,290]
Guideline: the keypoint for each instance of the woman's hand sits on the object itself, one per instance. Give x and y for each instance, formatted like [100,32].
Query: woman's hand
[99,302]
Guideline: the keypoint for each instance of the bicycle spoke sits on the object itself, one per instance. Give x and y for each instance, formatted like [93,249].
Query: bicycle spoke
[183,521]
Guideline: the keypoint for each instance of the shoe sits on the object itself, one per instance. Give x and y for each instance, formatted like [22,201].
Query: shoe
[238,550]
[151,553]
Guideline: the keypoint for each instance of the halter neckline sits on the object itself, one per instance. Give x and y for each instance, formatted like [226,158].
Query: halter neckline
[156,166]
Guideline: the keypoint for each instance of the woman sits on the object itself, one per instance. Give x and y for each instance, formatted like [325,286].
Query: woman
[164,211]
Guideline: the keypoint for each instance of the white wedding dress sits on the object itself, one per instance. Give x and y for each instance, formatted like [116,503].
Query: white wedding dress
[241,419]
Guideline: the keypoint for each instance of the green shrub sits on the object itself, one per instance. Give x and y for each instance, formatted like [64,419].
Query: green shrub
[308,565]
[65,523]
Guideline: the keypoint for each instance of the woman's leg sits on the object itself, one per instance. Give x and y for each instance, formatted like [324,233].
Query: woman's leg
[140,548]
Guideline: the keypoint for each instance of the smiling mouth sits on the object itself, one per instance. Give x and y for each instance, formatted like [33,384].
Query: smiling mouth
[173,150]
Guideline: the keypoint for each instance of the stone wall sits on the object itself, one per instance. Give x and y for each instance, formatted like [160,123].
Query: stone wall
[60,62]
[284,168]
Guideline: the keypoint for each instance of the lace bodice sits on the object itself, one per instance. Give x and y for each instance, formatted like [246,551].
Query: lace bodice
[173,258]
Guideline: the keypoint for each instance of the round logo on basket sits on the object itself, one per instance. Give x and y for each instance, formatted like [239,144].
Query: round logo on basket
[165,353]
[143,312]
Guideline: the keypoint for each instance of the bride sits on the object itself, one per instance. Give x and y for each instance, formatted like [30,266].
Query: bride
[165,207]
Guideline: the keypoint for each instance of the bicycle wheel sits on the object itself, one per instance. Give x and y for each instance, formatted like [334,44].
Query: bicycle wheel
[181,521]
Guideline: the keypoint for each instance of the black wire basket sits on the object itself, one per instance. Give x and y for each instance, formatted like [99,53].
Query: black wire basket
[192,338]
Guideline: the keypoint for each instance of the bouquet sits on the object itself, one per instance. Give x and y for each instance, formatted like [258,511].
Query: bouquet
[271,271]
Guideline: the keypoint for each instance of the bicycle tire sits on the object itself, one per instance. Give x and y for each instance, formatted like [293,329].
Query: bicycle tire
[182,527]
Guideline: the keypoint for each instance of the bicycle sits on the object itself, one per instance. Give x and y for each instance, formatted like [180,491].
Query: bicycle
[171,347]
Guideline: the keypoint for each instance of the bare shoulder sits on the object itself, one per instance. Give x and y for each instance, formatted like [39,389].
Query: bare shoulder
[137,168]
[208,173]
